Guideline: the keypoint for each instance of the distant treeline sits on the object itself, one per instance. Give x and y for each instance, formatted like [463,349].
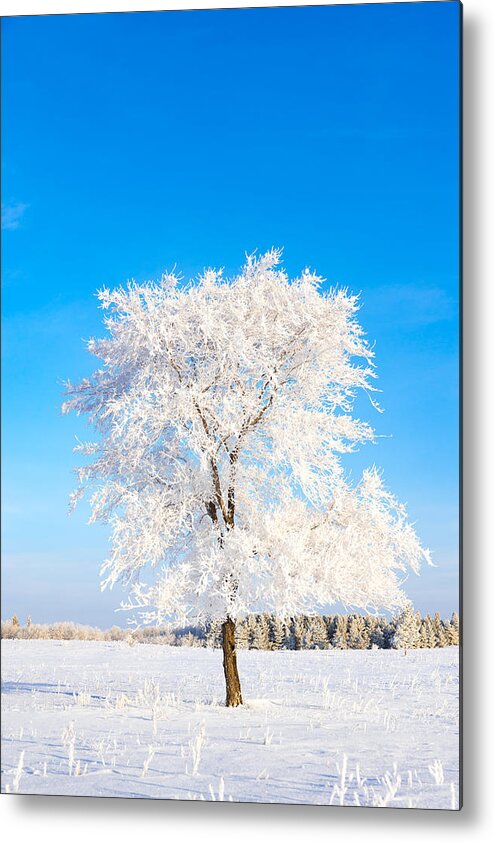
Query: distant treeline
[265,631]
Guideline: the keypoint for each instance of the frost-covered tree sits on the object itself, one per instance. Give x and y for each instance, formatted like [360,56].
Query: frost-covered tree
[340,636]
[439,630]
[251,626]
[376,633]
[427,636]
[299,628]
[261,634]
[319,632]
[358,637]
[454,630]
[213,634]
[276,632]
[242,634]
[330,623]
[223,409]
[407,629]
[290,642]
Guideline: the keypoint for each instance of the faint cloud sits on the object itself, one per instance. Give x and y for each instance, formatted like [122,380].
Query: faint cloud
[415,304]
[12,213]
[8,509]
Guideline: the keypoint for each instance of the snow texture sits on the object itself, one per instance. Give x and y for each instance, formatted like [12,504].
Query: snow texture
[365,728]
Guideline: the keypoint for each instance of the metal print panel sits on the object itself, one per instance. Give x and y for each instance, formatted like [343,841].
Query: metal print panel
[251,217]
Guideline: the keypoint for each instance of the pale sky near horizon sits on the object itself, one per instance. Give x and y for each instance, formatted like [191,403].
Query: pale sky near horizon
[135,142]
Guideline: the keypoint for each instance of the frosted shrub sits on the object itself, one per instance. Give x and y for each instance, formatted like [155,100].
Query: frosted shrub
[221,791]
[196,746]
[437,771]
[68,740]
[391,783]
[268,737]
[150,755]
[18,772]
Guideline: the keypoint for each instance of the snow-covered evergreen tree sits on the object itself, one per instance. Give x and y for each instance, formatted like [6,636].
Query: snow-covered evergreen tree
[376,633]
[261,634]
[319,632]
[455,629]
[330,623]
[340,636]
[407,628]
[307,635]
[250,629]
[290,633]
[449,633]
[242,634]
[358,637]
[428,634]
[299,629]
[213,635]
[439,631]
[276,632]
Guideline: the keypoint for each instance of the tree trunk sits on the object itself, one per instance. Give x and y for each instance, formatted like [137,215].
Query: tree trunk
[233,691]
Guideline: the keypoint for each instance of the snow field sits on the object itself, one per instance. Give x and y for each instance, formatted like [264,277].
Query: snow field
[368,727]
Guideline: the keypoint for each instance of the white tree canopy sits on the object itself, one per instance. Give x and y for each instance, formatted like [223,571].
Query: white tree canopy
[223,409]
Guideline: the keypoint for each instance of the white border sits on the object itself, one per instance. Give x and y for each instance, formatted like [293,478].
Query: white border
[36,7]
[77,819]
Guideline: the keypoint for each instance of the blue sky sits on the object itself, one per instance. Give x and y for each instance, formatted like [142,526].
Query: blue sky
[134,142]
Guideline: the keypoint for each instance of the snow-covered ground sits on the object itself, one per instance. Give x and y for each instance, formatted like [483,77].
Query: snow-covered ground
[373,728]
